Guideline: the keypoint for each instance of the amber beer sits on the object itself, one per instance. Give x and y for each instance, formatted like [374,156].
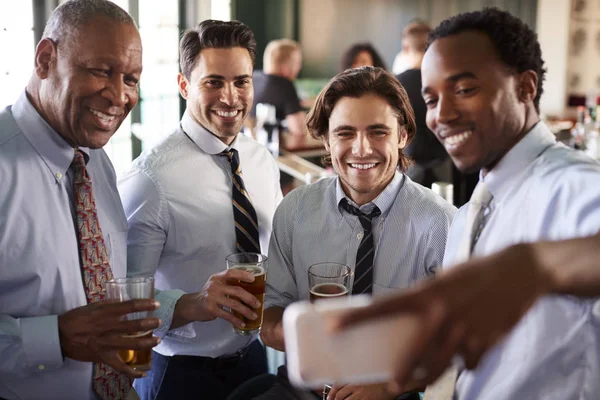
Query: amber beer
[256,288]
[327,291]
[140,360]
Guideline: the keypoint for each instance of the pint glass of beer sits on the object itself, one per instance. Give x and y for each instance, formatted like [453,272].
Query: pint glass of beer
[328,280]
[256,264]
[124,289]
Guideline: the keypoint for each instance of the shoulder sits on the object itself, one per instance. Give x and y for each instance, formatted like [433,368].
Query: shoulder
[8,126]
[309,198]
[425,203]
[162,154]
[256,153]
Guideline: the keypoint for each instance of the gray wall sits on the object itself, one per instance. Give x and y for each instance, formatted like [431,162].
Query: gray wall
[328,27]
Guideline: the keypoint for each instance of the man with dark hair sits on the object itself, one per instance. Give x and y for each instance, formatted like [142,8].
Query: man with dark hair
[364,118]
[431,162]
[62,230]
[184,211]
[483,77]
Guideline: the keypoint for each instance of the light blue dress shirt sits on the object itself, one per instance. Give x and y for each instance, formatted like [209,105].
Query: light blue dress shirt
[40,272]
[541,190]
[310,227]
[177,198]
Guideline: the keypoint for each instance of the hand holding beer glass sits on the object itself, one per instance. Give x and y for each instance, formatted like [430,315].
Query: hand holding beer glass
[256,264]
[124,289]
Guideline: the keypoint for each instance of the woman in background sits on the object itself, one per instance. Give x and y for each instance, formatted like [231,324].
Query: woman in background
[360,55]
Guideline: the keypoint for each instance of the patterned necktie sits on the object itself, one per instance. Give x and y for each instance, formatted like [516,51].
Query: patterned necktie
[108,383]
[444,387]
[244,215]
[363,270]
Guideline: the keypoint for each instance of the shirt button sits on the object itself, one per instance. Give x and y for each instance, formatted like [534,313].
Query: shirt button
[58,175]
[41,367]
[359,235]
[596,309]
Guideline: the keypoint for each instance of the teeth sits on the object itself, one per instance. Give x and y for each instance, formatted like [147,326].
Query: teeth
[102,116]
[363,166]
[459,138]
[226,113]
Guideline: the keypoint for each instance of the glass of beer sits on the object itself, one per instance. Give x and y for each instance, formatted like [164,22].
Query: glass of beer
[328,280]
[124,289]
[256,264]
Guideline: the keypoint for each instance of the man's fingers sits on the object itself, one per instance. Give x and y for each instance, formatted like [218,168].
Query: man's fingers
[113,359]
[334,391]
[413,361]
[115,342]
[441,356]
[132,326]
[389,306]
[235,305]
[227,316]
[112,309]
[242,295]
[238,275]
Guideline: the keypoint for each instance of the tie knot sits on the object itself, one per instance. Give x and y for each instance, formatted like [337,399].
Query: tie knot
[234,159]
[365,219]
[481,195]
[78,162]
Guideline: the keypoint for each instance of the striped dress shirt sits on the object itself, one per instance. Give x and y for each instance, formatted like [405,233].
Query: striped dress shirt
[310,227]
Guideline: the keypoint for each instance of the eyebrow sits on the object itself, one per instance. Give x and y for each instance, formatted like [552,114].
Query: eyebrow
[453,78]
[351,128]
[214,76]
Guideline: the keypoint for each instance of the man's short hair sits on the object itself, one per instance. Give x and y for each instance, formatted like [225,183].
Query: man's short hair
[356,83]
[414,35]
[279,52]
[213,34]
[69,17]
[515,42]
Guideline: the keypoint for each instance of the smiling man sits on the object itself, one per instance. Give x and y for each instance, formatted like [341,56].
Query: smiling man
[183,224]
[483,77]
[62,229]
[364,118]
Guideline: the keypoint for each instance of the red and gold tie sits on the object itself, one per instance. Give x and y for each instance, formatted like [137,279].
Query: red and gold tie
[108,383]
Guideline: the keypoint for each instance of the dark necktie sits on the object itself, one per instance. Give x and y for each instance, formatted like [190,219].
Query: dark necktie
[363,270]
[244,215]
[107,383]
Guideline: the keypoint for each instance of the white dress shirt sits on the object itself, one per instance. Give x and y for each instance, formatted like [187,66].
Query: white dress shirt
[40,272]
[311,227]
[541,191]
[177,198]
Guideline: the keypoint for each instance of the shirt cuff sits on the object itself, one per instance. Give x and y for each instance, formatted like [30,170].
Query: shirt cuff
[41,342]
[167,299]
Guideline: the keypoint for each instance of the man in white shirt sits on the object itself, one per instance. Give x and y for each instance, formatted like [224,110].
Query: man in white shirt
[178,202]
[482,80]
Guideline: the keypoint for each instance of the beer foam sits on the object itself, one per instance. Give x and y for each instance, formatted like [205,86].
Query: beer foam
[256,270]
[343,290]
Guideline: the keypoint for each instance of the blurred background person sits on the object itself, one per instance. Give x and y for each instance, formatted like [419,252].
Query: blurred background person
[274,85]
[361,55]
[431,161]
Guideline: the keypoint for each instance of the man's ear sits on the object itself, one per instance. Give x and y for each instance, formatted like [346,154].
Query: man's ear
[183,85]
[403,137]
[527,86]
[45,57]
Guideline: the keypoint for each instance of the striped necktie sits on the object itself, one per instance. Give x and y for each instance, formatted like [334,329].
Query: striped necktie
[107,383]
[444,387]
[244,215]
[363,270]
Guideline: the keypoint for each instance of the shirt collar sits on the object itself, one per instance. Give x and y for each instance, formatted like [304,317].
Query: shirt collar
[202,137]
[384,201]
[535,142]
[51,147]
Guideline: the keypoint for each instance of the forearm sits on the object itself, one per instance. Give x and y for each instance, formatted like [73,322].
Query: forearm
[572,265]
[272,328]
[29,345]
